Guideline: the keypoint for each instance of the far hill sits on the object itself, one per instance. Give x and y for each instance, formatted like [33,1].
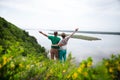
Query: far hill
[12,35]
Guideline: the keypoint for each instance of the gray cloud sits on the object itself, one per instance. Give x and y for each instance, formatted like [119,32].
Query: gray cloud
[88,14]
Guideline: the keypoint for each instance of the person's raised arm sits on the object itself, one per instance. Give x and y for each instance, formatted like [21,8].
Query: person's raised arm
[74,32]
[43,33]
[61,44]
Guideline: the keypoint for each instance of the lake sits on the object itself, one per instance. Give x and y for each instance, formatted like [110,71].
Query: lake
[82,49]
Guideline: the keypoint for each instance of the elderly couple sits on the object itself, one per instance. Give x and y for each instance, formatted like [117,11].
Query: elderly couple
[59,47]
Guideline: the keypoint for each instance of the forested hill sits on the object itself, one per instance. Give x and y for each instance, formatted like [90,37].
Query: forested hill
[11,35]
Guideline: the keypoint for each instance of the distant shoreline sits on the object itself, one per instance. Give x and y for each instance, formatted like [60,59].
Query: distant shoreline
[89,38]
[90,32]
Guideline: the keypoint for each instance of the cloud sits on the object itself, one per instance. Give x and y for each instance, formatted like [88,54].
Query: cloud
[88,14]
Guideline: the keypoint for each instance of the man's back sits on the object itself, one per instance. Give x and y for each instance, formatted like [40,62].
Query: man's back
[54,40]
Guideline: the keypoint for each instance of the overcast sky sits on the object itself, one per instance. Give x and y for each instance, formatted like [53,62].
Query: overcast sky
[100,15]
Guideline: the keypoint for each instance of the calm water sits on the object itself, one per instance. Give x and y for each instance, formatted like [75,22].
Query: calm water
[81,49]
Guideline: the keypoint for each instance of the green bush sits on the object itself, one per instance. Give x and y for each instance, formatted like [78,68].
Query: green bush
[15,66]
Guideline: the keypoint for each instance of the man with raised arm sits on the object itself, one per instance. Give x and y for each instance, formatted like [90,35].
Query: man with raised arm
[63,45]
[55,40]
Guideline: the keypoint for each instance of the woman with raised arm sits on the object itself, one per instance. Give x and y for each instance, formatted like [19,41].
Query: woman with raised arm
[63,45]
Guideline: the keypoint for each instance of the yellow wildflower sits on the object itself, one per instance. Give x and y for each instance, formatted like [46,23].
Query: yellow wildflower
[118,68]
[51,71]
[106,63]
[82,65]
[85,74]
[4,60]
[80,70]
[110,69]
[20,65]
[68,76]
[12,65]
[0,66]
[75,75]
[89,64]
[117,62]
[8,60]
[64,71]
[28,67]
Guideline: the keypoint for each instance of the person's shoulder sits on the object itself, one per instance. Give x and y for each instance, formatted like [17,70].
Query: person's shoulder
[67,37]
[58,37]
[50,36]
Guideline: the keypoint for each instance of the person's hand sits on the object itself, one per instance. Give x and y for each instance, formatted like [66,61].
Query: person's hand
[76,29]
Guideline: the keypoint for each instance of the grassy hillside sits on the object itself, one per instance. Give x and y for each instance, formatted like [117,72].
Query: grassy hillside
[12,35]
